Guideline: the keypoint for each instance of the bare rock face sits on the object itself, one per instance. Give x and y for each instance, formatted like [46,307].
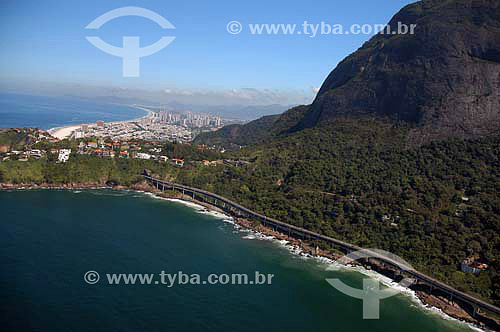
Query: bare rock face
[444,79]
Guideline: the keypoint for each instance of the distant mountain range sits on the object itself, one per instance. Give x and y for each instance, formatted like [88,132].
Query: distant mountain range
[237,112]
[240,112]
[443,81]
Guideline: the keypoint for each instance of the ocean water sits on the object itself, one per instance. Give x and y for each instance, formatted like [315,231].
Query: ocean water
[50,239]
[50,112]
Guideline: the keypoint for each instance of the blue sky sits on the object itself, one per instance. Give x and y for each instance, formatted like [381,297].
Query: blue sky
[44,41]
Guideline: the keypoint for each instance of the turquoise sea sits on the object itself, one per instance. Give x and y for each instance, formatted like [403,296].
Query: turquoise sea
[50,239]
[17,111]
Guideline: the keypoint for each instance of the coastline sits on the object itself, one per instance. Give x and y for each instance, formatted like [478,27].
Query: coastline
[62,132]
[432,304]
[436,304]
[66,131]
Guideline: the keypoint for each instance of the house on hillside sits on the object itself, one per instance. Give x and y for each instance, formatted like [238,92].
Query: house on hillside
[178,162]
[470,265]
[63,155]
[211,163]
[35,153]
[141,155]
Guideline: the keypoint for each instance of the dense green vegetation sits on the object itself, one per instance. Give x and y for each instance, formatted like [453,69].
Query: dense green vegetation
[236,135]
[433,205]
[11,139]
[255,132]
[189,152]
[79,170]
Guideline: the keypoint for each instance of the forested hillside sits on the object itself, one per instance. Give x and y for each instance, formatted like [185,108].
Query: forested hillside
[236,135]
[434,205]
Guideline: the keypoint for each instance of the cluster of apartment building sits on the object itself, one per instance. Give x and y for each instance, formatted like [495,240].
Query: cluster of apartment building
[187,119]
[144,129]
[23,155]
[62,154]
[29,136]
[127,149]
[105,147]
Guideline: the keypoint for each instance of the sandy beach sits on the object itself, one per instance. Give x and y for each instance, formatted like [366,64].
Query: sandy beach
[63,132]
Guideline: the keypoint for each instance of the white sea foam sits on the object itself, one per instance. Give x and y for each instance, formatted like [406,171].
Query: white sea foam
[297,251]
[190,204]
[324,261]
[106,192]
[199,208]
[257,236]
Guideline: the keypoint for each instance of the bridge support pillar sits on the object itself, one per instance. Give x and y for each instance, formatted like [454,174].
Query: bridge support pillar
[475,311]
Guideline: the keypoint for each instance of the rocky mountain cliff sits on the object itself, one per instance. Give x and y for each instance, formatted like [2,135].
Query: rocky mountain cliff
[445,78]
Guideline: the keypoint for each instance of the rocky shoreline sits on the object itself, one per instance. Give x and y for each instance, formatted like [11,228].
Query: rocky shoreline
[448,307]
[73,186]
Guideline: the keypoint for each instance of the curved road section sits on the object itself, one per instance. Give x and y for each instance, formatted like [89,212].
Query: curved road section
[476,303]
